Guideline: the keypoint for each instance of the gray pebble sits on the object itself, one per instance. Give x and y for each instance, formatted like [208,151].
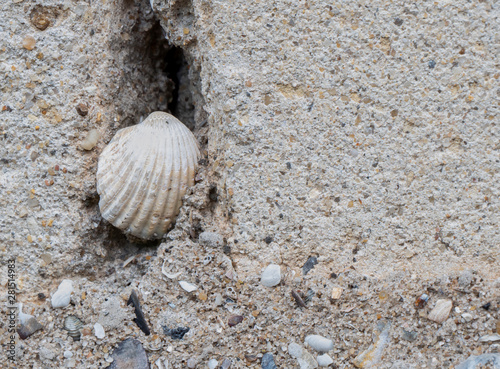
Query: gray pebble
[465,279]
[409,335]
[319,343]
[226,364]
[191,363]
[310,263]
[268,361]
[271,276]
[210,239]
[324,360]
[129,354]
[295,350]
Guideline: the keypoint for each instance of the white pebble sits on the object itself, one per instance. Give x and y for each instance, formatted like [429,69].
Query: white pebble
[68,354]
[191,363]
[271,276]
[212,364]
[62,296]
[319,343]
[99,331]
[324,360]
[91,140]
[295,350]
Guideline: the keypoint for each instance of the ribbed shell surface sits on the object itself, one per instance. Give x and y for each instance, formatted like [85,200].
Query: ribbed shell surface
[143,174]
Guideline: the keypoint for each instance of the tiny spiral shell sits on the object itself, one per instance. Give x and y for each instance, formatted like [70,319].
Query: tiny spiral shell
[73,325]
[143,174]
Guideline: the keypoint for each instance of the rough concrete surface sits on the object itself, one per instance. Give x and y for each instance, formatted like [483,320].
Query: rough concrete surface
[362,133]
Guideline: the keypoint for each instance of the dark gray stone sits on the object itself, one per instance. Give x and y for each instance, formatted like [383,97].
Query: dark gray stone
[129,354]
[268,361]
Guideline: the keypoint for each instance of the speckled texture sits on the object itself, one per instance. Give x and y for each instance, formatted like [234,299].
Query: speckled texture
[364,134]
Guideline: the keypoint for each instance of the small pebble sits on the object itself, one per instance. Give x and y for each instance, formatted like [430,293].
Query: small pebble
[336,292]
[30,327]
[409,336]
[91,140]
[29,42]
[68,354]
[129,354]
[465,279]
[234,320]
[212,364]
[176,333]
[210,239]
[441,311]
[324,360]
[226,364]
[319,343]
[432,64]
[268,361]
[192,362]
[271,276]
[82,109]
[310,263]
[295,350]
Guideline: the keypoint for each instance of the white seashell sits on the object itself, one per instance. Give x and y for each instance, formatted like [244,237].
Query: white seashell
[143,174]
[62,296]
[168,273]
[441,311]
[23,318]
[73,324]
[186,286]
[99,331]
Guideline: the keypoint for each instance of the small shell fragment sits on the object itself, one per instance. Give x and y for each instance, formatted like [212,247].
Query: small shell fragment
[62,296]
[143,174]
[73,325]
[336,292]
[23,318]
[168,273]
[186,286]
[441,311]
[99,331]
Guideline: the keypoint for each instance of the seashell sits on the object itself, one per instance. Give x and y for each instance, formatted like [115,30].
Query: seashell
[23,318]
[441,311]
[99,331]
[73,325]
[186,286]
[62,296]
[143,174]
[167,273]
